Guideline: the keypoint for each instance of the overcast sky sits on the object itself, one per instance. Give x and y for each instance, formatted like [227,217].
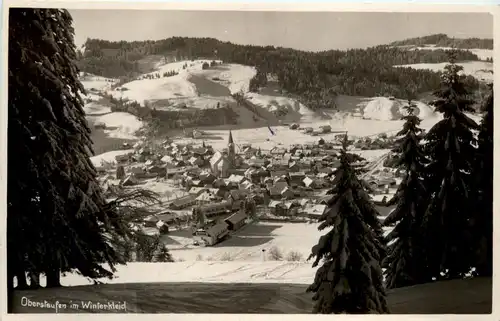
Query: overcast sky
[299,30]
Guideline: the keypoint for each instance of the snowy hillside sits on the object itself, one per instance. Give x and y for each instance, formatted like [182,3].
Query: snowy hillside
[479,69]
[483,54]
[95,83]
[382,108]
[186,86]
[281,105]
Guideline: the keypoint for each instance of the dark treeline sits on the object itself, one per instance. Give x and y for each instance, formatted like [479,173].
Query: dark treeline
[442,40]
[314,77]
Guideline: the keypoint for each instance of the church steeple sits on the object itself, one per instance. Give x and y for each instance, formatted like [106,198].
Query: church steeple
[231,150]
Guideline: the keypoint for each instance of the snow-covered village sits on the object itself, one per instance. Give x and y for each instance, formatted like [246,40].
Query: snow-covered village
[197,175]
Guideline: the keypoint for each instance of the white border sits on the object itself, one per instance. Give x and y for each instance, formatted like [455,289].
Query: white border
[232,6]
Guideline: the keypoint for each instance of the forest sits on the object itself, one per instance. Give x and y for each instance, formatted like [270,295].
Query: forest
[442,40]
[315,78]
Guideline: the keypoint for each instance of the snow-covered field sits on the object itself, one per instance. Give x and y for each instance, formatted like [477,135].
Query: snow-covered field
[479,69]
[179,88]
[92,82]
[384,109]
[119,124]
[282,104]
[262,137]
[248,244]
[108,157]
[235,77]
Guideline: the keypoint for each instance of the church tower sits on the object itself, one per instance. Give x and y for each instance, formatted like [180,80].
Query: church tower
[231,150]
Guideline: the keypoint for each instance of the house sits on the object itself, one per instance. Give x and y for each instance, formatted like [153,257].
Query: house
[150,221]
[197,190]
[196,161]
[325,128]
[257,162]
[159,170]
[313,211]
[312,182]
[218,192]
[207,178]
[236,221]
[183,202]
[130,180]
[274,192]
[247,185]
[238,179]
[297,177]
[323,200]
[205,198]
[278,151]
[278,173]
[237,197]
[293,166]
[218,183]
[213,234]
[214,209]
[280,162]
[287,193]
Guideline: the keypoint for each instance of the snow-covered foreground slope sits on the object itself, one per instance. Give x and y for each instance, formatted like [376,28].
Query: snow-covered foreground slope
[479,69]
[201,271]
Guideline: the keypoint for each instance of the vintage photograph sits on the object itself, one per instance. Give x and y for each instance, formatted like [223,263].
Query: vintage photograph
[257,162]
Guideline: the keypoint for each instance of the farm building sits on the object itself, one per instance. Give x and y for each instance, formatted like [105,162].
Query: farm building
[236,221]
[314,211]
[214,209]
[183,202]
[213,234]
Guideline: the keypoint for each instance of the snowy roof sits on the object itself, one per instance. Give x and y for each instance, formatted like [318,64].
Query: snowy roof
[237,217]
[317,209]
[273,204]
[216,229]
[215,158]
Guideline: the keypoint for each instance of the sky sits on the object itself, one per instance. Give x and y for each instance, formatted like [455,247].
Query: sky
[312,31]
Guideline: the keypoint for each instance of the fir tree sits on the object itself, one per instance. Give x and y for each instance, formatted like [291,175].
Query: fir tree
[404,261]
[448,179]
[163,255]
[483,173]
[350,279]
[56,210]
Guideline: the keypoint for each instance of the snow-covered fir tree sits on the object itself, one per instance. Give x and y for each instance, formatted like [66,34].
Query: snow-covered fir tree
[350,277]
[448,180]
[162,254]
[56,210]
[483,211]
[405,263]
